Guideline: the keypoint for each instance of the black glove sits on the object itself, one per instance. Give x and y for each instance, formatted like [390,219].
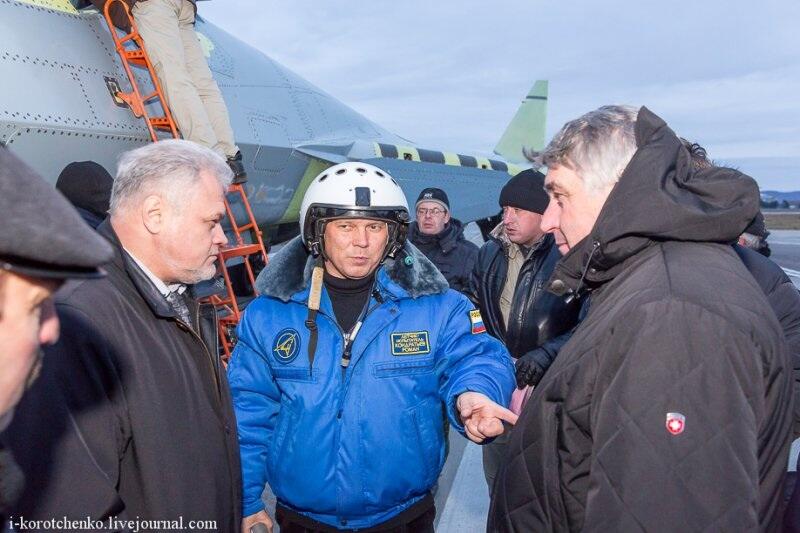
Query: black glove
[529,369]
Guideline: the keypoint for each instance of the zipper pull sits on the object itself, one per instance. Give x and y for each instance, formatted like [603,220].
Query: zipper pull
[348,345]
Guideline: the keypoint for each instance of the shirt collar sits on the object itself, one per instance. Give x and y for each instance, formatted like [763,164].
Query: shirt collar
[162,287]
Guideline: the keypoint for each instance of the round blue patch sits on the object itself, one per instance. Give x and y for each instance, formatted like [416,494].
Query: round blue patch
[286,345]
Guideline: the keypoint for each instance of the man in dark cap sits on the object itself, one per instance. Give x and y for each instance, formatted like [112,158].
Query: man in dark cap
[87,185]
[441,238]
[43,243]
[508,284]
[135,405]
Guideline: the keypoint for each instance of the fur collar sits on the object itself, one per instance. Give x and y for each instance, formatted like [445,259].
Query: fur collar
[289,272]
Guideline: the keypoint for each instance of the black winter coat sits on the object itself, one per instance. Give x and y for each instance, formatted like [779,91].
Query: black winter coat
[452,254]
[131,416]
[784,298]
[678,332]
[538,318]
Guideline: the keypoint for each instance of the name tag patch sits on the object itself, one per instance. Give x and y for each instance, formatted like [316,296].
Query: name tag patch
[410,343]
[477,322]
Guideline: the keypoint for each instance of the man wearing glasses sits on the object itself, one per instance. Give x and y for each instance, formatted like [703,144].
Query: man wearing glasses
[441,238]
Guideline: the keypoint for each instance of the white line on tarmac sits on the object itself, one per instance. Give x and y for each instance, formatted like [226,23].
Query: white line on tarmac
[786,243]
[794,273]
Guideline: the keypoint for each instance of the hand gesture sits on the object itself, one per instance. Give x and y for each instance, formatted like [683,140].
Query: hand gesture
[482,418]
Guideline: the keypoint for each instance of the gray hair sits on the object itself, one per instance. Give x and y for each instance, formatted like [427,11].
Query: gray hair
[598,145]
[170,167]
[748,240]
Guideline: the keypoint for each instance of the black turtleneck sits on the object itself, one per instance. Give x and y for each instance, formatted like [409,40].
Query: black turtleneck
[348,296]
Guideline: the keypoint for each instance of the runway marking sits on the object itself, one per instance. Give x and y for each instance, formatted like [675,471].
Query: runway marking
[786,243]
[791,272]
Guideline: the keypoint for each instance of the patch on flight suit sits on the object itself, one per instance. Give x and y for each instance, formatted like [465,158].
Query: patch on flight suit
[410,343]
[477,322]
[286,345]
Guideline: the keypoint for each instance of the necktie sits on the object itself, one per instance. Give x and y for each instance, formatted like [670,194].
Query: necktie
[179,305]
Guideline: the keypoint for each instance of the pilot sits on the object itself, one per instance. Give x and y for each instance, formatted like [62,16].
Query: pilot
[167,28]
[350,363]
[508,284]
[43,243]
[441,238]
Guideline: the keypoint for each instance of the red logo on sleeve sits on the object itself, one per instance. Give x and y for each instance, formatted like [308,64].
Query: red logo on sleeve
[676,423]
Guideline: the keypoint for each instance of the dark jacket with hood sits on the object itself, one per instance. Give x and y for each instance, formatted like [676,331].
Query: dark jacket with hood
[678,332]
[131,416]
[539,320]
[452,254]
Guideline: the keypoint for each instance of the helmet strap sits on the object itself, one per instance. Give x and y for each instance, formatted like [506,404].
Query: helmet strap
[314,296]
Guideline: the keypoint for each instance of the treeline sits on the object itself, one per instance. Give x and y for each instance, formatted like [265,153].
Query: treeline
[777,204]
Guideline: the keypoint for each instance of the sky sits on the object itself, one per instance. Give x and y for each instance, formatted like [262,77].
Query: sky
[450,74]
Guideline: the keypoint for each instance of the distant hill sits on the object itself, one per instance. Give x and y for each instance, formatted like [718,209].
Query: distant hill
[793,196]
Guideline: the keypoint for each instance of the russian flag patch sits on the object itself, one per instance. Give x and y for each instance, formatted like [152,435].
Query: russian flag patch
[477,322]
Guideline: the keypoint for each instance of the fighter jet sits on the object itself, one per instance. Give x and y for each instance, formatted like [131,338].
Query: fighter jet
[58,104]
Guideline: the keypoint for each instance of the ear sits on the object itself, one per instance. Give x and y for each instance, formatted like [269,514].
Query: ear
[153,212]
[447,216]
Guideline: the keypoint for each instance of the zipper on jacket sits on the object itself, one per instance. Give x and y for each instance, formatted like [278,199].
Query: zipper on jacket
[348,339]
[209,358]
[595,247]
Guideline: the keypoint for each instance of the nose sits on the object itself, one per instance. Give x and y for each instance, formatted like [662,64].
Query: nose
[220,239]
[49,327]
[508,215]
[360,238]
[550,218]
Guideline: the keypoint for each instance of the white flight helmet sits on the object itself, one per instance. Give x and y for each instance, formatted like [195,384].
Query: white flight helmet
[353,190]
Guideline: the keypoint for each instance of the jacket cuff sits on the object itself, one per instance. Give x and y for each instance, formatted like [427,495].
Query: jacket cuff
[252,508]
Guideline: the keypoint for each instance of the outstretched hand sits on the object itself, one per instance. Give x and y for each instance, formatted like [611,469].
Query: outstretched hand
[482,418]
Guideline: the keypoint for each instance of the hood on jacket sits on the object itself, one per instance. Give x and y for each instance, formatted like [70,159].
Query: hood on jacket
[289,272]
[447,239]
[659,197]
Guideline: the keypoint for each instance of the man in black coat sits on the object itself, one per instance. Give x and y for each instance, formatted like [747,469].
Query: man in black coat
[441,238]
[669,409]
[43,243]
[783,298]
[508,284]
[132,417]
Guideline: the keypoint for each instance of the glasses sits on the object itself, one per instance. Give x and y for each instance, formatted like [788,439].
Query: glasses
[435,212]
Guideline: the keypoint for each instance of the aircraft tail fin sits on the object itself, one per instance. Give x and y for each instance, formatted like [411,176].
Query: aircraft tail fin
[527,128]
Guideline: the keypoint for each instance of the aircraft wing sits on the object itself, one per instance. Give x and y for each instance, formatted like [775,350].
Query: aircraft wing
[473,192]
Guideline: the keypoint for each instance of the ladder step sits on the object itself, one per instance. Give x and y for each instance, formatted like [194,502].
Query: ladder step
[136,57]
[161,123]
[240,251]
